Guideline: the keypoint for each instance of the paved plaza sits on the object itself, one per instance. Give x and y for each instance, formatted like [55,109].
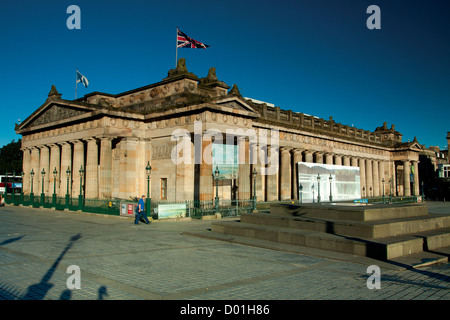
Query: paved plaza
[122,261]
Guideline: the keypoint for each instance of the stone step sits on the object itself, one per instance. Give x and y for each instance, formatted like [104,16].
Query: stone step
[382,249]
[351,211]
[369,229]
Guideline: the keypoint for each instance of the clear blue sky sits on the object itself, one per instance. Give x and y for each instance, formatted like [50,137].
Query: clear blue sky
[311,56]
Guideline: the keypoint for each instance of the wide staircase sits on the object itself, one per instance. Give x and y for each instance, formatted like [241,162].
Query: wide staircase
[379,231]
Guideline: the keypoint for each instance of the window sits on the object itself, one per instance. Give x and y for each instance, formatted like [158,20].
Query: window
[164,189]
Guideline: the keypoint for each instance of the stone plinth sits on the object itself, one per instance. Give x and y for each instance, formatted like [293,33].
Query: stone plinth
[378,231]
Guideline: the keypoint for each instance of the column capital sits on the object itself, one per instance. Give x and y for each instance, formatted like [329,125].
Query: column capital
[285,149]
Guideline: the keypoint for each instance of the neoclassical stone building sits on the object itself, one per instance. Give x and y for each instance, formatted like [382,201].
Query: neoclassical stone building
[114,136]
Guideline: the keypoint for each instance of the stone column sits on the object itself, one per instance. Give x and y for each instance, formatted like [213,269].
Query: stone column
[362,175]
[272,169]
[319,156]
[338,160]
[309,156]
[78,163]
[91,169]
[66,163]
[206,172]
[55,163]
[354,162]
[376,179]
[369,178]
[244,169]
[105,190]
[128,178]
[256,164]
[381,177]
[285,174]
[297,155]
[406,179]
[329,158]
[44,165]
[416,178]
[26,167]
[346,161]
[393,177]
[35,165]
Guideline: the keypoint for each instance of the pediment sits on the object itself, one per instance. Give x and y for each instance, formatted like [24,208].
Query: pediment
[236,104]
[54,113]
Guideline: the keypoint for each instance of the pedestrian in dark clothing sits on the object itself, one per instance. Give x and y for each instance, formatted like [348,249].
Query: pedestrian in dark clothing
[141,215]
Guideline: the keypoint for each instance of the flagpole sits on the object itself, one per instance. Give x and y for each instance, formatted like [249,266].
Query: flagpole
[76,83]
[176,50]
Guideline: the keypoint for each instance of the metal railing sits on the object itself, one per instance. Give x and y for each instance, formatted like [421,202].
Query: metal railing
[194,209]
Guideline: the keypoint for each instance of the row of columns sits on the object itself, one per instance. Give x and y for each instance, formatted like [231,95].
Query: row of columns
[65,156]
[284,184]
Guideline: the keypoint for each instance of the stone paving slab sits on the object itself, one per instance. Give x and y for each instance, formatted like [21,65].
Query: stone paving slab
[122,261]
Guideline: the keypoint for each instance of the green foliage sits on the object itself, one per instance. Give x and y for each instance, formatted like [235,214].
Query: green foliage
[11,158]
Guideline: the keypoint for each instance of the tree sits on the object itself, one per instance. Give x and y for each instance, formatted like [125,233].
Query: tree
[11,158]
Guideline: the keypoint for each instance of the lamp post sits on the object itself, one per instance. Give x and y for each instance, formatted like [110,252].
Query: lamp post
[390,190]
[383,188]
[331,187]
[312,188]
[216,177]
[254,173]
[148,169]
[301,189]
[370,188]
[42,191]
[318,188]
[21,189]
[31,193]
[80,196]
[55,173]
[364,192]
[67,194]
[12,186]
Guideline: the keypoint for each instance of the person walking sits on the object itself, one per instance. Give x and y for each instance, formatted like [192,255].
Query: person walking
[141,215]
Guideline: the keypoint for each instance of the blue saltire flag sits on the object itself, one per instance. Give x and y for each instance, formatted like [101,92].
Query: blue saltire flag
[82,79]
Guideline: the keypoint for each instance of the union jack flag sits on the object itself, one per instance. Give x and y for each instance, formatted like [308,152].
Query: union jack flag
[183,41]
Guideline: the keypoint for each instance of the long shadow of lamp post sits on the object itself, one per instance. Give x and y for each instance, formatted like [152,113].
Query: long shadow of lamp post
[39,291]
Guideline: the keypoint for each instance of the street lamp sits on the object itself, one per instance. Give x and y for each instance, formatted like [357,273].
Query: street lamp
[254,173]
[383,188]
[318,188]
[68,172]
[55,173]
[216,177]
[148,169]
[390,190]
[370,188]
[21,189]
[312,188]
[12,186]
[331,187]
[301,189]
[31,193]
[80,196]
[42,191]
[364,192]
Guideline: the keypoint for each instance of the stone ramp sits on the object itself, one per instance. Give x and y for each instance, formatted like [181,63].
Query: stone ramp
[380,231]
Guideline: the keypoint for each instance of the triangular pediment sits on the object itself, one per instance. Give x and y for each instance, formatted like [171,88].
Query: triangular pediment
[236,104]
[54,113]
